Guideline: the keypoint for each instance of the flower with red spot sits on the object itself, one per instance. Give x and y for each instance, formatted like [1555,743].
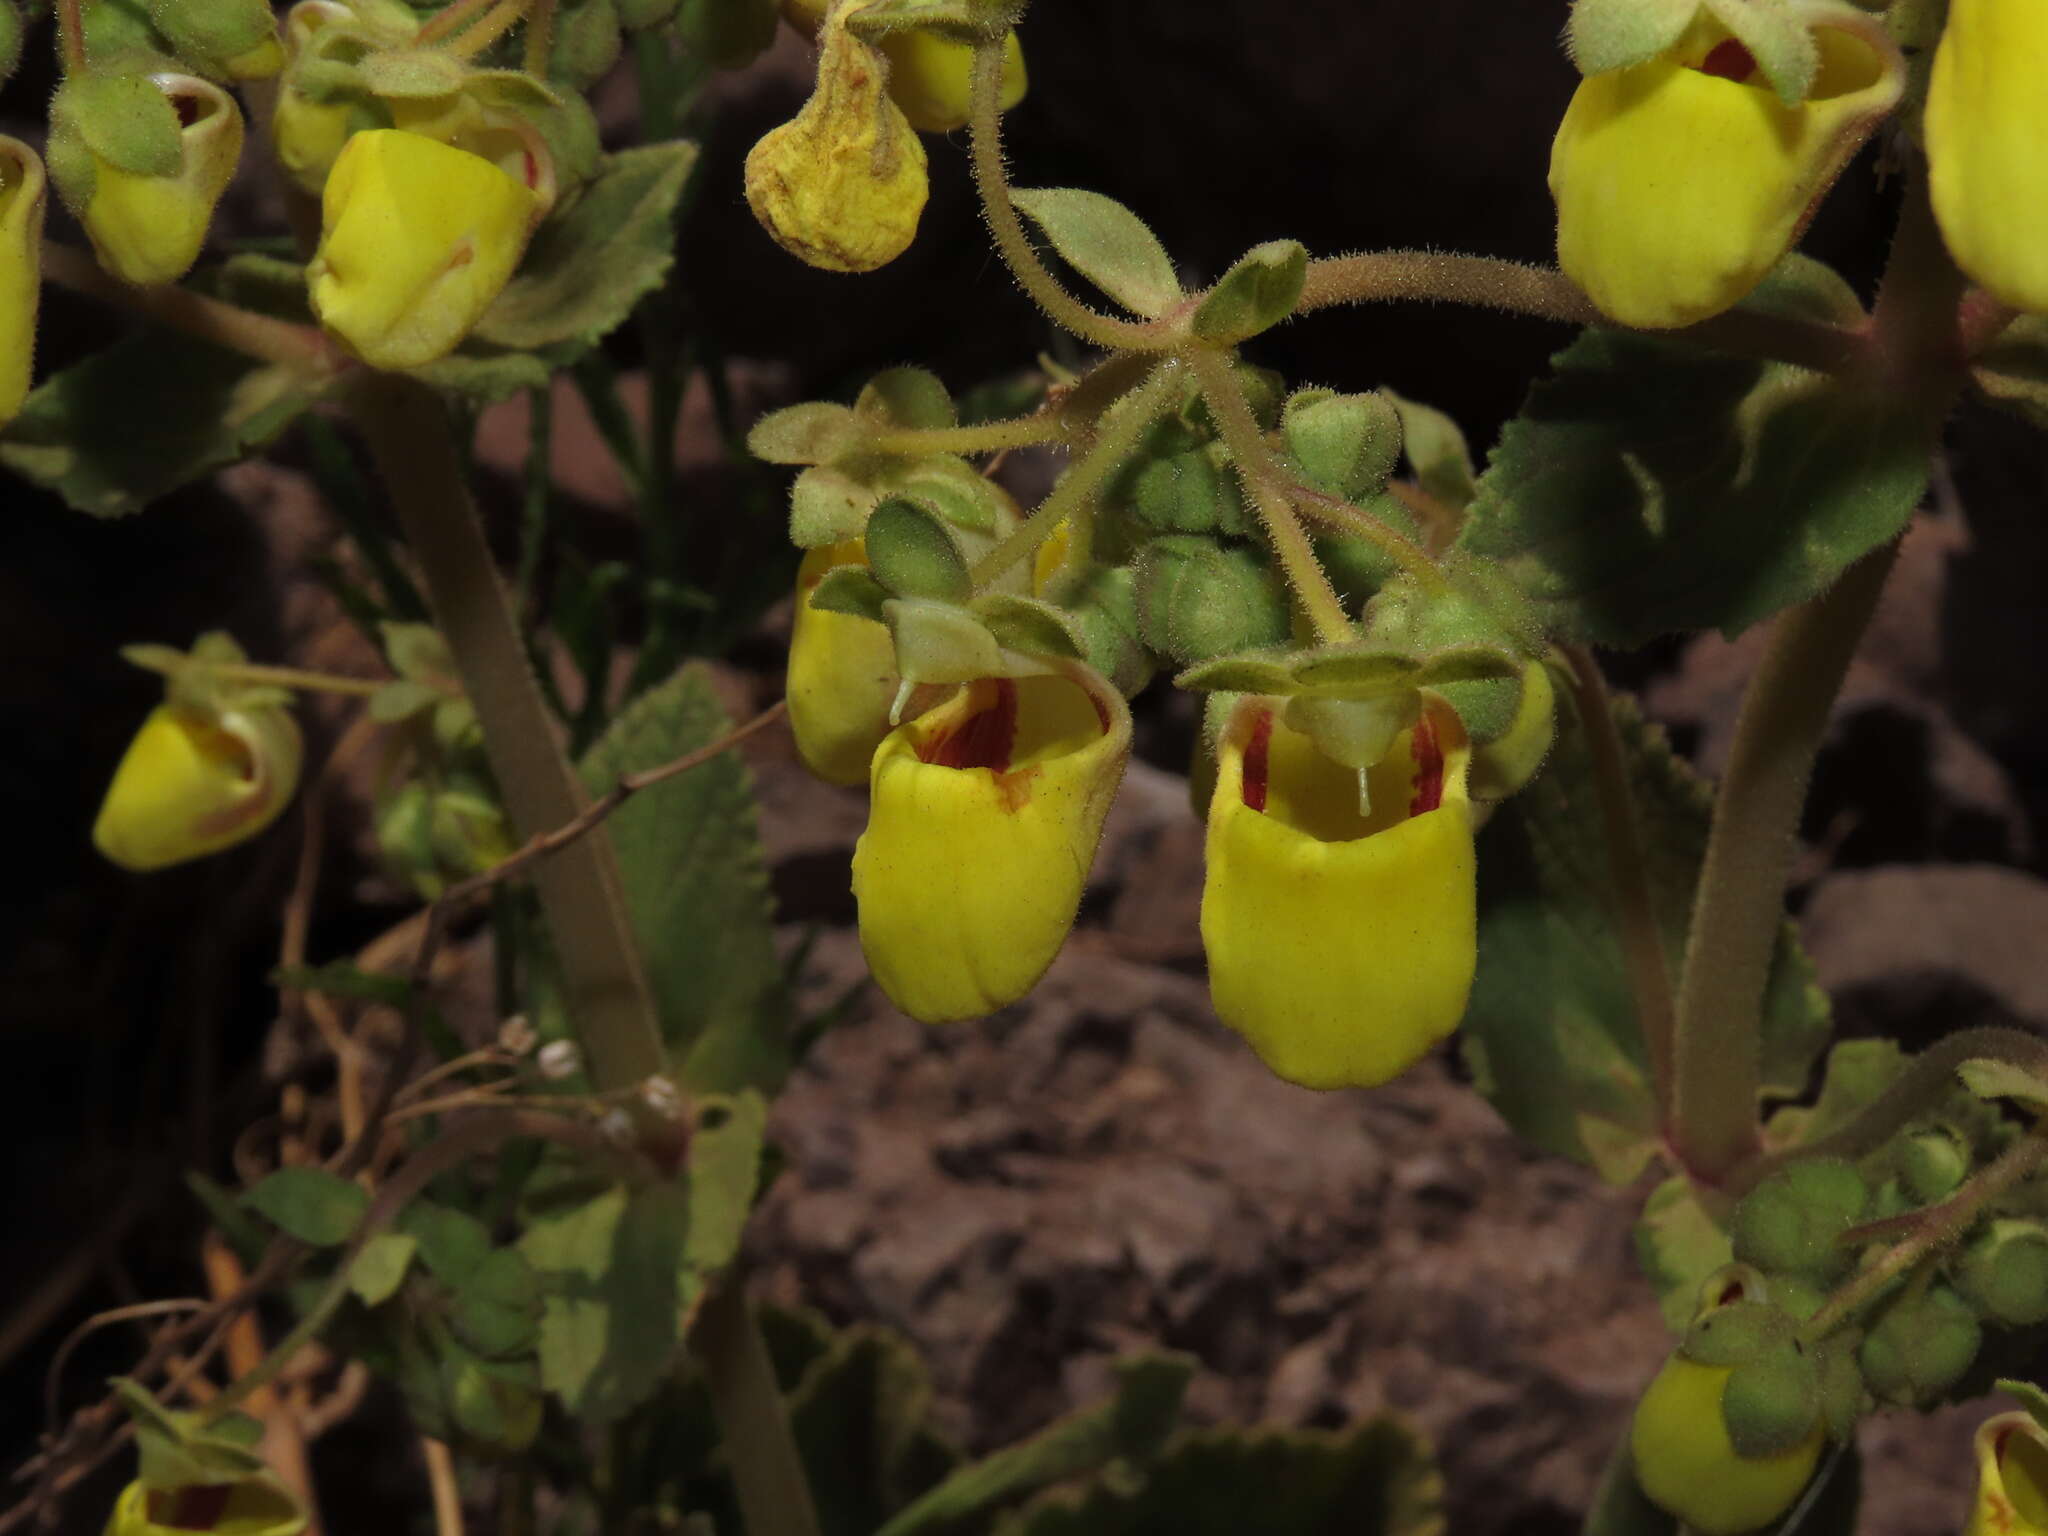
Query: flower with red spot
[984,819]
[1341,928]
[1681,181]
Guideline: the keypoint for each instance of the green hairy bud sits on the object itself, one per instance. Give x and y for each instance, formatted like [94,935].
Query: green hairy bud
[586,44]
[1345,444]
[1932,1164]
[1792,1219]
[2004,1272]
[1198,599]
[1920,1347]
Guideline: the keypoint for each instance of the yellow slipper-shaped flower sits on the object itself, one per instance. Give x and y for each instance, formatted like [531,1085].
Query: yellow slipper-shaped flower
[195,781]
[1987,146]
[1688,1467]
[2012,1478]
[1341,945]
[842,676]
[23,201]
[1680,182]
[148,230]
[985,816]
[417,238]
[250,1508]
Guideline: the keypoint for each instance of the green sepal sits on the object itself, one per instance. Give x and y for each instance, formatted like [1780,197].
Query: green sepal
[912,555]
[1435,447]
[412,74]
[815,432]
[1268,671]
[1740,1331]
[1255,295]
[1613,34]
[1108,244]
[850,589]
[905,400]
[2013,370]
[1991,1079]
[1842,1392]
[1102,606]
[1780,39]
[939,643]
[1029,626]
[124,118]
[1771,1401]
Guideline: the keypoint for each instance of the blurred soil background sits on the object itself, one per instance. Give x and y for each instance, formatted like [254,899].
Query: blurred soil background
[1101,1166]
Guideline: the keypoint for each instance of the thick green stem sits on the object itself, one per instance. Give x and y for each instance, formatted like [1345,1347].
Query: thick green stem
[1642,947]
[407,428]
[1075,493]
[1003,222]
[1740,905]
[775,1493]
[1937,1227]
[1289,539]
[1543,293]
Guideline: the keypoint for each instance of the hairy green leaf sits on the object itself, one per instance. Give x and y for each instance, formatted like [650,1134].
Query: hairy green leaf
[311,1204]
[591,264]
[1108,244]
[690,858]
[380,1268]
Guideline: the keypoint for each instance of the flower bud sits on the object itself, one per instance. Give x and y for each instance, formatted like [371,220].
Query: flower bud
[1341,942]
[23,199]
[314,116]
[1687,1465]
[1932,1164]
[842,676]
[842,184]
[2012,1478]
[145,202]
[1792,1219]
[2004,1272]
[252,1507]
[1198,598]
[984,819]
[1920,1347]
[1987,119]
[235,39]
[194,781]
[417,238]
[1345,444]
[1681,181]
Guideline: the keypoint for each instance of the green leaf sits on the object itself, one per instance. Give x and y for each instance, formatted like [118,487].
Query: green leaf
[691,861]
[1648,487]
[1106,243]
[451,1243]
[590,264]
[485,378]
[311,1204]
[1374,1480]
[379,1269]
[724,1176]
[1551,1032]
[497,1305]
[861,1417]
[610,1270]
[1990,1079]
[1858,1072]
[1678,1246]
[147,415]
[1255,295]
[1131,1427]
[244,1233]
[1435,444]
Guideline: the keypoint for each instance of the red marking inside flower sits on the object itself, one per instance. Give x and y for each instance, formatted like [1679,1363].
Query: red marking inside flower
[1429,768]
[1255,754]
[985,739]
[198,1507]
[1728,60]
[532,171]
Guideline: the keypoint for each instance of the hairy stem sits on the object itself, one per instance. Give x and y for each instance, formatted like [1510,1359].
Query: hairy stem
[1290,540]
[408,431]
[1075,493]
[239,330]
[540,37]
[985,126]
[1642,947]
[774,1492]
[1740,905]
[71,33]
[1937,1227]
[449,20]
[1544,293]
